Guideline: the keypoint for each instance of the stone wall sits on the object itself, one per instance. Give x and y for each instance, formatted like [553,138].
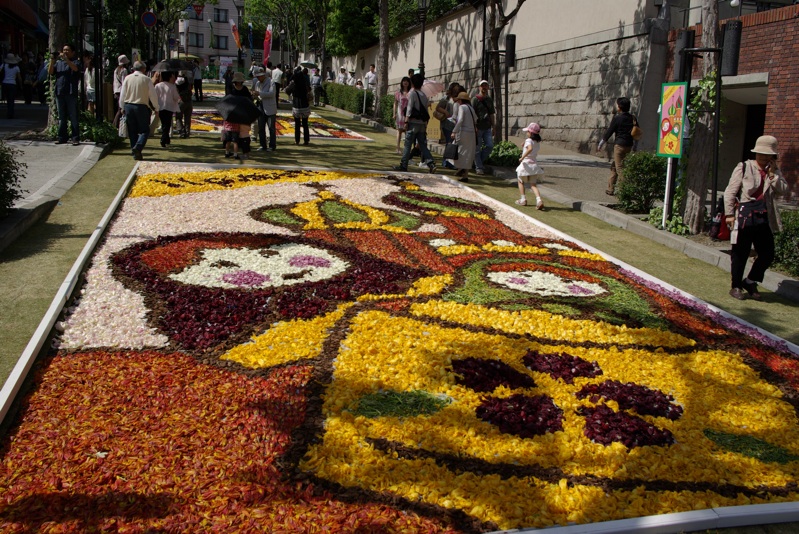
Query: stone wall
[571,93]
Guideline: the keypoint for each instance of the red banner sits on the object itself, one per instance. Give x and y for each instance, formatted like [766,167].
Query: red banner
[267,44]
[235,31]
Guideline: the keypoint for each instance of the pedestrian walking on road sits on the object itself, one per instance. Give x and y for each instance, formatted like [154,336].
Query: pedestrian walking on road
[447,114]
[756,218]
[67,77]
[265,89]
[483,104]
[400,105]
[12,81]
[300,105]
[528,169]
[184,86]
[417,118]
[119,76]
[198,81]
[136,99]
[621,126]
[464,134]
[89,80]
[168,105]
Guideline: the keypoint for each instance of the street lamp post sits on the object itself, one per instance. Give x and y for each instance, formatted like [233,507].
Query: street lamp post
[282,44]
[423,6]
[213,42]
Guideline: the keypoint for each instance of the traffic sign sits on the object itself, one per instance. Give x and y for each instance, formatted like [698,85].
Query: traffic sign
[198,8]
[149,19]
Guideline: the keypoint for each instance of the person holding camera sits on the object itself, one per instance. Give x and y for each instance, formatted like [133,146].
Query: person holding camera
[67,77]
[755,218]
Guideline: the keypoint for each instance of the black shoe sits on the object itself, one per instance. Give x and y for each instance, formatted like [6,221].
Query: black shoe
[400,168]
[432,166]
[261,149]
[60,142]
[737,293]
[751,288]
[228,154]
[306,143]
[163,145]
[464,180]
[137,155]
[75,142]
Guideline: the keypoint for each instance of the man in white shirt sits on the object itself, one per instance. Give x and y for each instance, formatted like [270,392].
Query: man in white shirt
[136,98]
[277,79]
[370,78]
[265,88]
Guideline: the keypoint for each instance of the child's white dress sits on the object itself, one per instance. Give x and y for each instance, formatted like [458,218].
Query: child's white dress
[528,166]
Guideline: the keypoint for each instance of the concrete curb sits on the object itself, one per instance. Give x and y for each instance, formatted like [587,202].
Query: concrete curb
[41,202]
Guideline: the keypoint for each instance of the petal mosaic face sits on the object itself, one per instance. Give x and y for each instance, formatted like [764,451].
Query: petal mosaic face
[440,358]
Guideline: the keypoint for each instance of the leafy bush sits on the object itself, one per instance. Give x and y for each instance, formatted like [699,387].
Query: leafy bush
[643,182]
[675,225]
[505,154]
[11,171]
[100,131]
[349,98]
[786,243]
[386,111]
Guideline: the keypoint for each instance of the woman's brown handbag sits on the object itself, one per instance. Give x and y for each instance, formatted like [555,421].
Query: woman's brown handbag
[636,132]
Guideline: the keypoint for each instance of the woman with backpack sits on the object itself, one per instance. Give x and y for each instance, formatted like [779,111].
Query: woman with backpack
[755,219]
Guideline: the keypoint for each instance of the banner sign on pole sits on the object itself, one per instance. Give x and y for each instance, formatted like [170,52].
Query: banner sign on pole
[234,29]
[672,119]
[267,44]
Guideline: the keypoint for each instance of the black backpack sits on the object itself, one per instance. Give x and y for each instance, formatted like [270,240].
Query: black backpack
[419,113]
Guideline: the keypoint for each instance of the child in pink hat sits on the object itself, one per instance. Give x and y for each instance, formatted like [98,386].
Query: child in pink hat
[528,169]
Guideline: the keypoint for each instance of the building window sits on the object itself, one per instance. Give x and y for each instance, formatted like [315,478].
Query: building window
[196,39]
[195,16]
[220,15]
[220,42]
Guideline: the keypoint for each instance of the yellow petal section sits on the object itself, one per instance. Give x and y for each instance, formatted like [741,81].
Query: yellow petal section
[384,352]
[548,325]
[167,184]
[287,341]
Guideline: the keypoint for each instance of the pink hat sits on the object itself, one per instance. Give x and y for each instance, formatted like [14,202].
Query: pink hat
[533,127]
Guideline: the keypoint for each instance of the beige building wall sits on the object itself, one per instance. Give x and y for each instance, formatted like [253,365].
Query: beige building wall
[453,45]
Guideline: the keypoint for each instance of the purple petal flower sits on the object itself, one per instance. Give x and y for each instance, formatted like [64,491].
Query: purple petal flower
[518,280]
[309,261]
[575,289]
[245,278]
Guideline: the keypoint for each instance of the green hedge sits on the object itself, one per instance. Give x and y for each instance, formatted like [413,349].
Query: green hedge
[349,98]
[643,182]
[386,111]
[505,154]
[12,170]
[786,243]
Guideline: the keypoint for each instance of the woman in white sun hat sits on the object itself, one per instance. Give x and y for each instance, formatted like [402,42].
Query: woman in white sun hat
[755,219]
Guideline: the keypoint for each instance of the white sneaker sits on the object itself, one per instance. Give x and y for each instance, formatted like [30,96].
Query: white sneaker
[539,205]
[522,202]
[481,172]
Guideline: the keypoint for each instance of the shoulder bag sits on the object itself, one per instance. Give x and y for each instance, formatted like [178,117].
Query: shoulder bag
[636,132]
[451,151]
[754,212]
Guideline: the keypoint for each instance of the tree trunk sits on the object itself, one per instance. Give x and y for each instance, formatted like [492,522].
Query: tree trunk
[382,59]
[703,138]
[59,24]
[495,71]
